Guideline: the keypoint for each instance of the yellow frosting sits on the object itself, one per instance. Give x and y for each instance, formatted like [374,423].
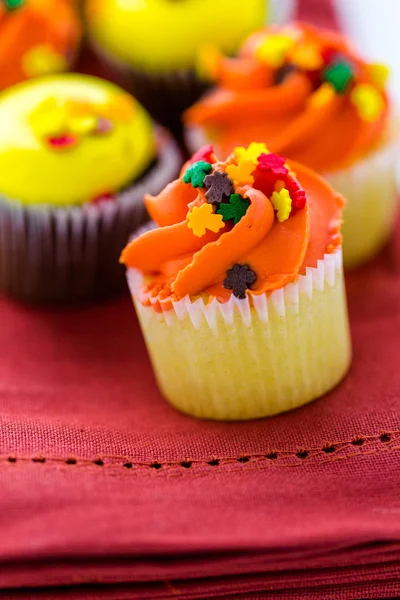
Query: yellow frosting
[68,139]
[162,35]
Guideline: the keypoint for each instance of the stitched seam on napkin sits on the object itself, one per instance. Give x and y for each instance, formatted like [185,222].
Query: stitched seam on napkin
[329,452]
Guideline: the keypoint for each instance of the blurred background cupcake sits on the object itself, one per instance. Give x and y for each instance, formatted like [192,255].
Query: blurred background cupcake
[76,156]
[308,95]
[156,42]
[242,281]
[37,37]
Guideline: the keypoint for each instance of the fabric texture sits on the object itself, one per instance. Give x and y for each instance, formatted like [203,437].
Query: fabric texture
[108,493]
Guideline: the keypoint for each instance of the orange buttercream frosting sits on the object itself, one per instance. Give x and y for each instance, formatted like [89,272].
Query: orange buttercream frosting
[37,37]
[303,90]
[248,225]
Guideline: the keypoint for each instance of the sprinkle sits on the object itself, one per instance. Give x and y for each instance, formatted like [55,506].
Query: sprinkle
[62,142]
[106,197]
[297,194]
[235,210]
[13,4]
[104,125]
[48,119]
[219,187]
[242,173]
[196,173]
[252,152]
[322,96]
[238,279]
[368,102]
[379,74]
[307,56]
[43,60]
[339,75]
[273,49]
[77,108]
[121,108]
[82,125]
[282,202]
[272,163]
[202,218]
[203,153]
[329,55]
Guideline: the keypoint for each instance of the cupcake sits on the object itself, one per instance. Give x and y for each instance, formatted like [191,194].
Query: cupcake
[310,97]
[76,157]
[241,279]
[156,43]
[33,41]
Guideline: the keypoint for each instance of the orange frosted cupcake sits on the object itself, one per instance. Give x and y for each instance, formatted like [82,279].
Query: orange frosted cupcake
[242,282]
[310,97]
[37,37]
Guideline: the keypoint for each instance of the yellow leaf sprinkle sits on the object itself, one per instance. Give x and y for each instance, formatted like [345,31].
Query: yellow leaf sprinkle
[82,125]
[379,74]
[282,202]
[252,152]
[242,173]
[273,49]
[202,218]
[322,96]
[43,60]
[307,56]
[120,108]
[49,118]
[368,102]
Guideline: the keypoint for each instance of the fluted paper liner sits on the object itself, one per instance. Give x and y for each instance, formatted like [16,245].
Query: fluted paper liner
[53,255]
[371,188]
[254,357]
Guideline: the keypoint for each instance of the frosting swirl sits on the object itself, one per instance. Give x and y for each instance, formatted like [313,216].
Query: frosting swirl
[35,42]
[303,90]
[246,225]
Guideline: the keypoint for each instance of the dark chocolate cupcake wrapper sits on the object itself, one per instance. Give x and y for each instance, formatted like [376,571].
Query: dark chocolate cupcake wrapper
[167,96]
[164,95]
[62,255]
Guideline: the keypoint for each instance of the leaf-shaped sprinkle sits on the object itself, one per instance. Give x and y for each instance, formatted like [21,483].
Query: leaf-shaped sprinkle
[203,217]
[196,173]
[235,210]
[238,279]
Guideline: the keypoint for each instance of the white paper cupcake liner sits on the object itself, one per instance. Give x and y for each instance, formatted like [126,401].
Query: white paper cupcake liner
[253,357]
[52,255]
[371,188]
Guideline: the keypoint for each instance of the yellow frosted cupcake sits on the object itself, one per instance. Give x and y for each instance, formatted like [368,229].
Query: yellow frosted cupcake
[157,42]
[313,99]
[76,156]
[242,283]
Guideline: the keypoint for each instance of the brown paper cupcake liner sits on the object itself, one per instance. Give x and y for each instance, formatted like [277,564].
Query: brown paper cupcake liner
[167,96]
[62,255]
[164,95]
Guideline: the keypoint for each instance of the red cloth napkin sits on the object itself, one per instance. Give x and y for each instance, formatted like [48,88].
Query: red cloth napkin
[106,492]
